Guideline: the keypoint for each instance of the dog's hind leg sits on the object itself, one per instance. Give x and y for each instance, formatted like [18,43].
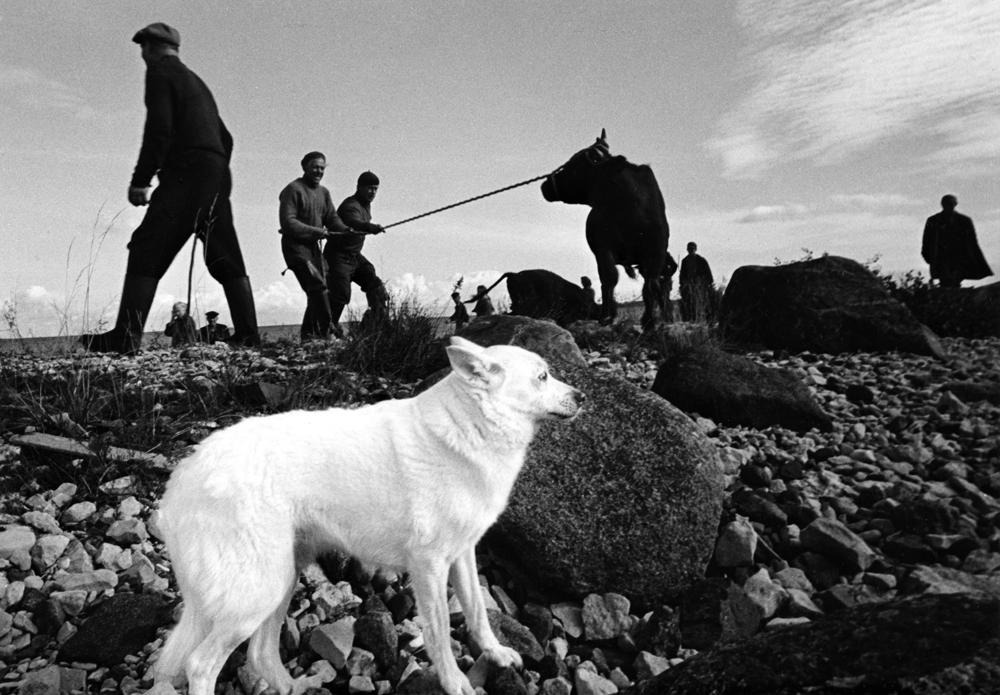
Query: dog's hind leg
[263,651]
[185,636]
[208,658]
[430,584]
[465,580]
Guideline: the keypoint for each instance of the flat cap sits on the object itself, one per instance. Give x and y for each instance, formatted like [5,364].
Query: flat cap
[212,315]
[158,31]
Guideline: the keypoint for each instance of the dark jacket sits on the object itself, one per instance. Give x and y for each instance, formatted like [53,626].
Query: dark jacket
[181,117]
[694,272]
[951,249]
[356,214]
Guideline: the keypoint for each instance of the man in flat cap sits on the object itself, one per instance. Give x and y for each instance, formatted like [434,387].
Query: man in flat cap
[214,331]
[187,147]
[307,216]
[345,262]
[950,247]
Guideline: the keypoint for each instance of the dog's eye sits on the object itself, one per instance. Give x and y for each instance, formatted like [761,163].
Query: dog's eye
[544,376]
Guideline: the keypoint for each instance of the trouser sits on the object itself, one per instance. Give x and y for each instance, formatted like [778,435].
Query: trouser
[192,198]
[311,275]
[345,268]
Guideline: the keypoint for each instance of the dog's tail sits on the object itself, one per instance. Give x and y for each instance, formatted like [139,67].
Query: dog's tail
[183,639]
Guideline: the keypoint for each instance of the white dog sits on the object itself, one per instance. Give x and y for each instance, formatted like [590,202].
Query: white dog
[409,484]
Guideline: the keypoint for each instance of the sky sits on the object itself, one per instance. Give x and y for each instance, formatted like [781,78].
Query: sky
[775,128]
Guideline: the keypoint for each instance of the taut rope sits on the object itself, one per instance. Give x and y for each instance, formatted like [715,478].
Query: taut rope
[469,200]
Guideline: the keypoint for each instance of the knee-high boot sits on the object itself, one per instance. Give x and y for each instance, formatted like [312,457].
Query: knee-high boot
[316,322]
[126,337]
[336,309]
[239,295]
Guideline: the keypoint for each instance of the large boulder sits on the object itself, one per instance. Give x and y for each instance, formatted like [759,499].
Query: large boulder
[542,337]
[968,312]
[625,498]
[735,390]
[927,644]
[825,305]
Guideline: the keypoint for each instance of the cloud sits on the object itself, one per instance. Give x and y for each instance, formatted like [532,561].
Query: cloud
[31,88]
[771,213]
[833,79]
[37,293]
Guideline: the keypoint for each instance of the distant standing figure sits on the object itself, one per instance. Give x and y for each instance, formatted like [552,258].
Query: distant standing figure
[307,216]
[696,286]
[345,262]
[484,305]
[187,147]
[214,332]
[950,247]
[588,287]
[461,315]
[180,329]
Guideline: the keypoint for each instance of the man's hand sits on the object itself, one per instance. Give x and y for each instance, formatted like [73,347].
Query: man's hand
[138,196]
[379,229]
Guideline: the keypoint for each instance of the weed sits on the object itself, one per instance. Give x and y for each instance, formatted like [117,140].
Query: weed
[400,342]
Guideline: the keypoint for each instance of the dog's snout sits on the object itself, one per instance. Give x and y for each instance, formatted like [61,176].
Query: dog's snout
[579,396]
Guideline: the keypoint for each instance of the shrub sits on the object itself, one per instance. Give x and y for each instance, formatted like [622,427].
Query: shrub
[399,342]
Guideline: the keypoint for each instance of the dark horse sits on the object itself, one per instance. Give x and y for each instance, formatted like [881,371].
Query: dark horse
[627,224]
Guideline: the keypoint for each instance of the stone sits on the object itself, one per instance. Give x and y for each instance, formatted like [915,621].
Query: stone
[605,617]
[649,475]
[16,538]
[827,305]
[940,644]
[736,544]
[41,521]
[832,538]
[767,595]
[334,641]
[120,626]
[375,632]
[79,512]
[647,665]
[513,634]
[98,580]
[554,344]
[128,531]
[47,550]
[589,683]
[44,681]
[735,390]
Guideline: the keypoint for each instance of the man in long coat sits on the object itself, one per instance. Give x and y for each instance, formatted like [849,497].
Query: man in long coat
[950,247]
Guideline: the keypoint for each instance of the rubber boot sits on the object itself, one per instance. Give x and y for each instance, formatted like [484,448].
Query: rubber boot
[318,316]
[126,337]
[336,309]
[239,295]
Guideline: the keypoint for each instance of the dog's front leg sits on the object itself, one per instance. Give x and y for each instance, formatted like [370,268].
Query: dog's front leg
[465,579]
[430,584]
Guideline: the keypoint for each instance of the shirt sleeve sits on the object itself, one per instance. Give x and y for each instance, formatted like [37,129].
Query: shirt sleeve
[291,225]
[353,215]
[159,127]
[333,221]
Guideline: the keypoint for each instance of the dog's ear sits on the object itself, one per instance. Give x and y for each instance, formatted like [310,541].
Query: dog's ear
[474,366]
[467,344]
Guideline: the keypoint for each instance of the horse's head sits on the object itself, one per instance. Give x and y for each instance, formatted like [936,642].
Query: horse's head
[570,183]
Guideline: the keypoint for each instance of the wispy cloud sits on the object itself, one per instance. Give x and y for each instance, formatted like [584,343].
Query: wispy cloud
[32,89]
[770,213]
[832,79]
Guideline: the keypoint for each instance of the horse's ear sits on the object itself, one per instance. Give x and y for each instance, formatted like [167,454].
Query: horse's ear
[604,138]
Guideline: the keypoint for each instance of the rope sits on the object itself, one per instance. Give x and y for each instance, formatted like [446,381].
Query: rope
[469,200]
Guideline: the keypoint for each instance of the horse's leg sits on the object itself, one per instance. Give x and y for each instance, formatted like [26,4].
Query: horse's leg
[652,297]
[608,274]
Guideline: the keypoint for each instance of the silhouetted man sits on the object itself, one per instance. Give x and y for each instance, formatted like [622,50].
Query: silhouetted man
[214,332]
[186,146]
[696,286]
[950,247]
[345,262]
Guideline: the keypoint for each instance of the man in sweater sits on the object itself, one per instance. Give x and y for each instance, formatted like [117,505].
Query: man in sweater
[307,216]
[345,262]
[187,147]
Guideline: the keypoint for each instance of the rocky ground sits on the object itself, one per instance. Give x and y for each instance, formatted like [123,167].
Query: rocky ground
[900,499]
